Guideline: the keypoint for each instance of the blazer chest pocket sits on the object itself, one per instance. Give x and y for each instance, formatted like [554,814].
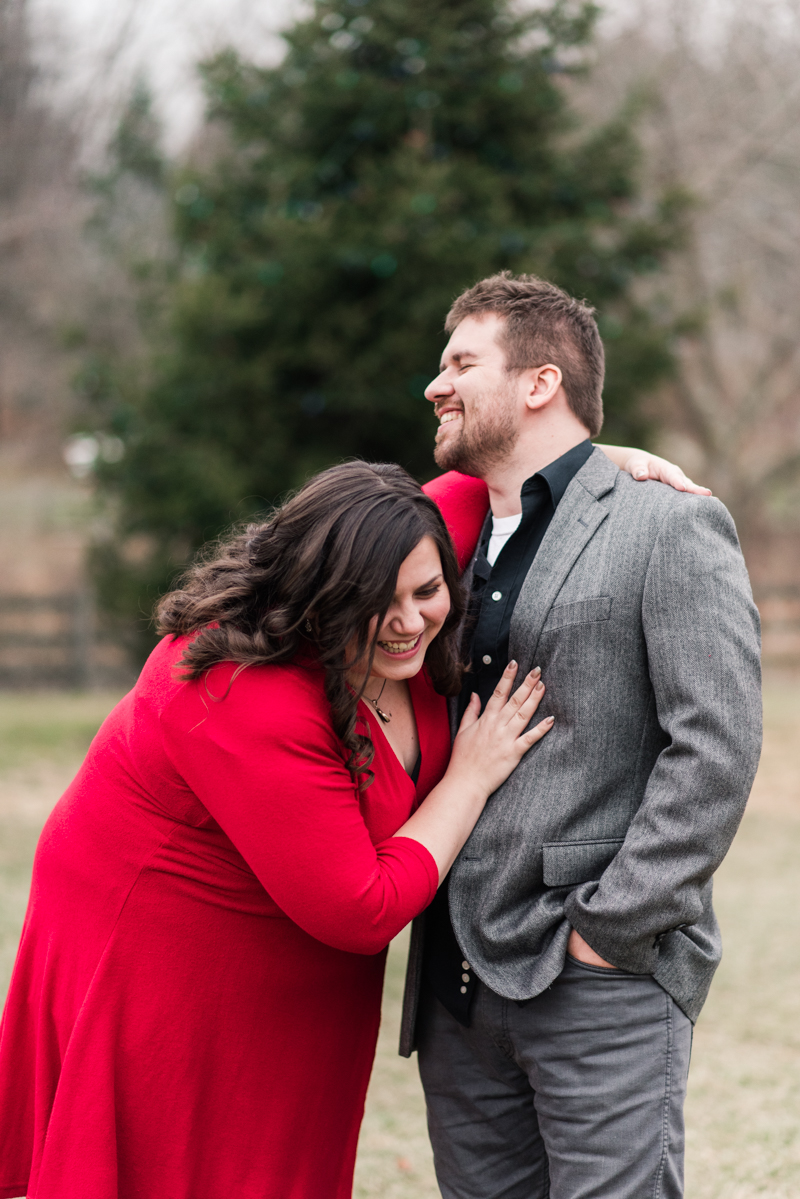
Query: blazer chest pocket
[585,611]
[569,862]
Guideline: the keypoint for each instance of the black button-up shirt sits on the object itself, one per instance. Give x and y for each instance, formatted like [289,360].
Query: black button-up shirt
[495,591]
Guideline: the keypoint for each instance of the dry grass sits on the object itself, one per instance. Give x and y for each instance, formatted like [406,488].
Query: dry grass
[743,1114]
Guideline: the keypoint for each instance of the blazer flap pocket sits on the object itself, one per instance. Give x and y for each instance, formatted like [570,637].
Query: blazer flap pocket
[585,611]
[568,862]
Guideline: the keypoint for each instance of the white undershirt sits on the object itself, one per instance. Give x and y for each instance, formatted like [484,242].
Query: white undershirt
[502,528]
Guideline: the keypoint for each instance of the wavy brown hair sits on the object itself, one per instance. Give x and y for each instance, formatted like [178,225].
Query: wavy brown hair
[306,584]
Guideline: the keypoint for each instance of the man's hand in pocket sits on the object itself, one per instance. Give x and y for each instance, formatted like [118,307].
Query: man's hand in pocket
[577,948]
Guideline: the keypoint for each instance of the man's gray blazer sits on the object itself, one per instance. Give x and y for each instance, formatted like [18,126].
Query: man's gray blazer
[639,611]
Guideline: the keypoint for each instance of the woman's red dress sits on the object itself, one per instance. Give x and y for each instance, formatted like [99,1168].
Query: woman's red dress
[196,999]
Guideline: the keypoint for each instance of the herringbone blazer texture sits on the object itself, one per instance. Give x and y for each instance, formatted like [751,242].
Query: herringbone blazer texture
[639,611]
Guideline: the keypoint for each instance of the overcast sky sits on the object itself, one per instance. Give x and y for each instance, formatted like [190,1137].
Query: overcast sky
[98,46]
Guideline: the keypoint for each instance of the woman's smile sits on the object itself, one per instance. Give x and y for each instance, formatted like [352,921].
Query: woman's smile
[401,649]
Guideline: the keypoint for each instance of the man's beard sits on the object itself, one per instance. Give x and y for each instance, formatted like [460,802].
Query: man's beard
[492,434]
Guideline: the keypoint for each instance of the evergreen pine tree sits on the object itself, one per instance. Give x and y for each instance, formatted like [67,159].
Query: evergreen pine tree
[402,150]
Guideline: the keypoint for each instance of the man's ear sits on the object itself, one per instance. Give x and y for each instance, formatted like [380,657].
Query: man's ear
[542,384]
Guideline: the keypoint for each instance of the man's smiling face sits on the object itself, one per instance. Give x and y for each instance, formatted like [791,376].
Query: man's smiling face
[476,400]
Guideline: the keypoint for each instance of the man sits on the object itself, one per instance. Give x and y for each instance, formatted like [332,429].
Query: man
[574,942]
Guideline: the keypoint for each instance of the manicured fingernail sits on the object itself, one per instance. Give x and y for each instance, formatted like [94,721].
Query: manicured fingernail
[549,719]
[537,670]
[640,474]
[539,686]
[513,662]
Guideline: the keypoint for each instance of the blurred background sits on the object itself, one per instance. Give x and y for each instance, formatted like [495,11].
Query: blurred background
[229,233]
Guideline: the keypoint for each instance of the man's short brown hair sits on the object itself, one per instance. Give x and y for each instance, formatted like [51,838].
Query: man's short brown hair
[543,324]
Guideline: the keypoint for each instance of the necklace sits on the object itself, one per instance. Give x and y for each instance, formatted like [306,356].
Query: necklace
[384,716]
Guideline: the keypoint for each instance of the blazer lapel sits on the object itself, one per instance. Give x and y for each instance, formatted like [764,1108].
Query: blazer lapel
[576,520]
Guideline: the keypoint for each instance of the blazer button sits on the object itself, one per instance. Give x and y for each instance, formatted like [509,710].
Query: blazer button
[465,978]
[487,659]
[465,966]
[463,990]
[497,595]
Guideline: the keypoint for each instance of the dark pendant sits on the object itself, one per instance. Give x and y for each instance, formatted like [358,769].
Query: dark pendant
[382,715]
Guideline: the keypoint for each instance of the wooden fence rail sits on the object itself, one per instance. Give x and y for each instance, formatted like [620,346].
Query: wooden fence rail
[48,640]
[780,621]
[56,641]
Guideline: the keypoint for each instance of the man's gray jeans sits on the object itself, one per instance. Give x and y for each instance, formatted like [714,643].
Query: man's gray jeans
[575,1094]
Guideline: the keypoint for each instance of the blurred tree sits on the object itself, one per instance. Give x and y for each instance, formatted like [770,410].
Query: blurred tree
[400,151]
[725,128]
[40,220]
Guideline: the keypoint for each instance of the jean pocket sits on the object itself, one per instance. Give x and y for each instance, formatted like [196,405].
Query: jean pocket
[613,971]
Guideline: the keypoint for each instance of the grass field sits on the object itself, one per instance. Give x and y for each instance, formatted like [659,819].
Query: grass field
[743,1114]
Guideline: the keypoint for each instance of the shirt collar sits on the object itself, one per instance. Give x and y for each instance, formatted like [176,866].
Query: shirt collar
[558,475]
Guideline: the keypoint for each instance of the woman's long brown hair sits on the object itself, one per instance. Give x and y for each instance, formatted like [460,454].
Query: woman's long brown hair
[328,559]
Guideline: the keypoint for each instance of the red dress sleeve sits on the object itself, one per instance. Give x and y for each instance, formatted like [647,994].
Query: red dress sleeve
[463,502]
[266,764]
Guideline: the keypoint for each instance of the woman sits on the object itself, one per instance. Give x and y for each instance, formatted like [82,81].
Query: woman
[196,999]
[195,1003]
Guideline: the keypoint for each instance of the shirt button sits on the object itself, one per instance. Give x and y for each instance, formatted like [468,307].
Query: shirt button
[465,966]
[487,659]
[496,595]
[465,978]
[463,990]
